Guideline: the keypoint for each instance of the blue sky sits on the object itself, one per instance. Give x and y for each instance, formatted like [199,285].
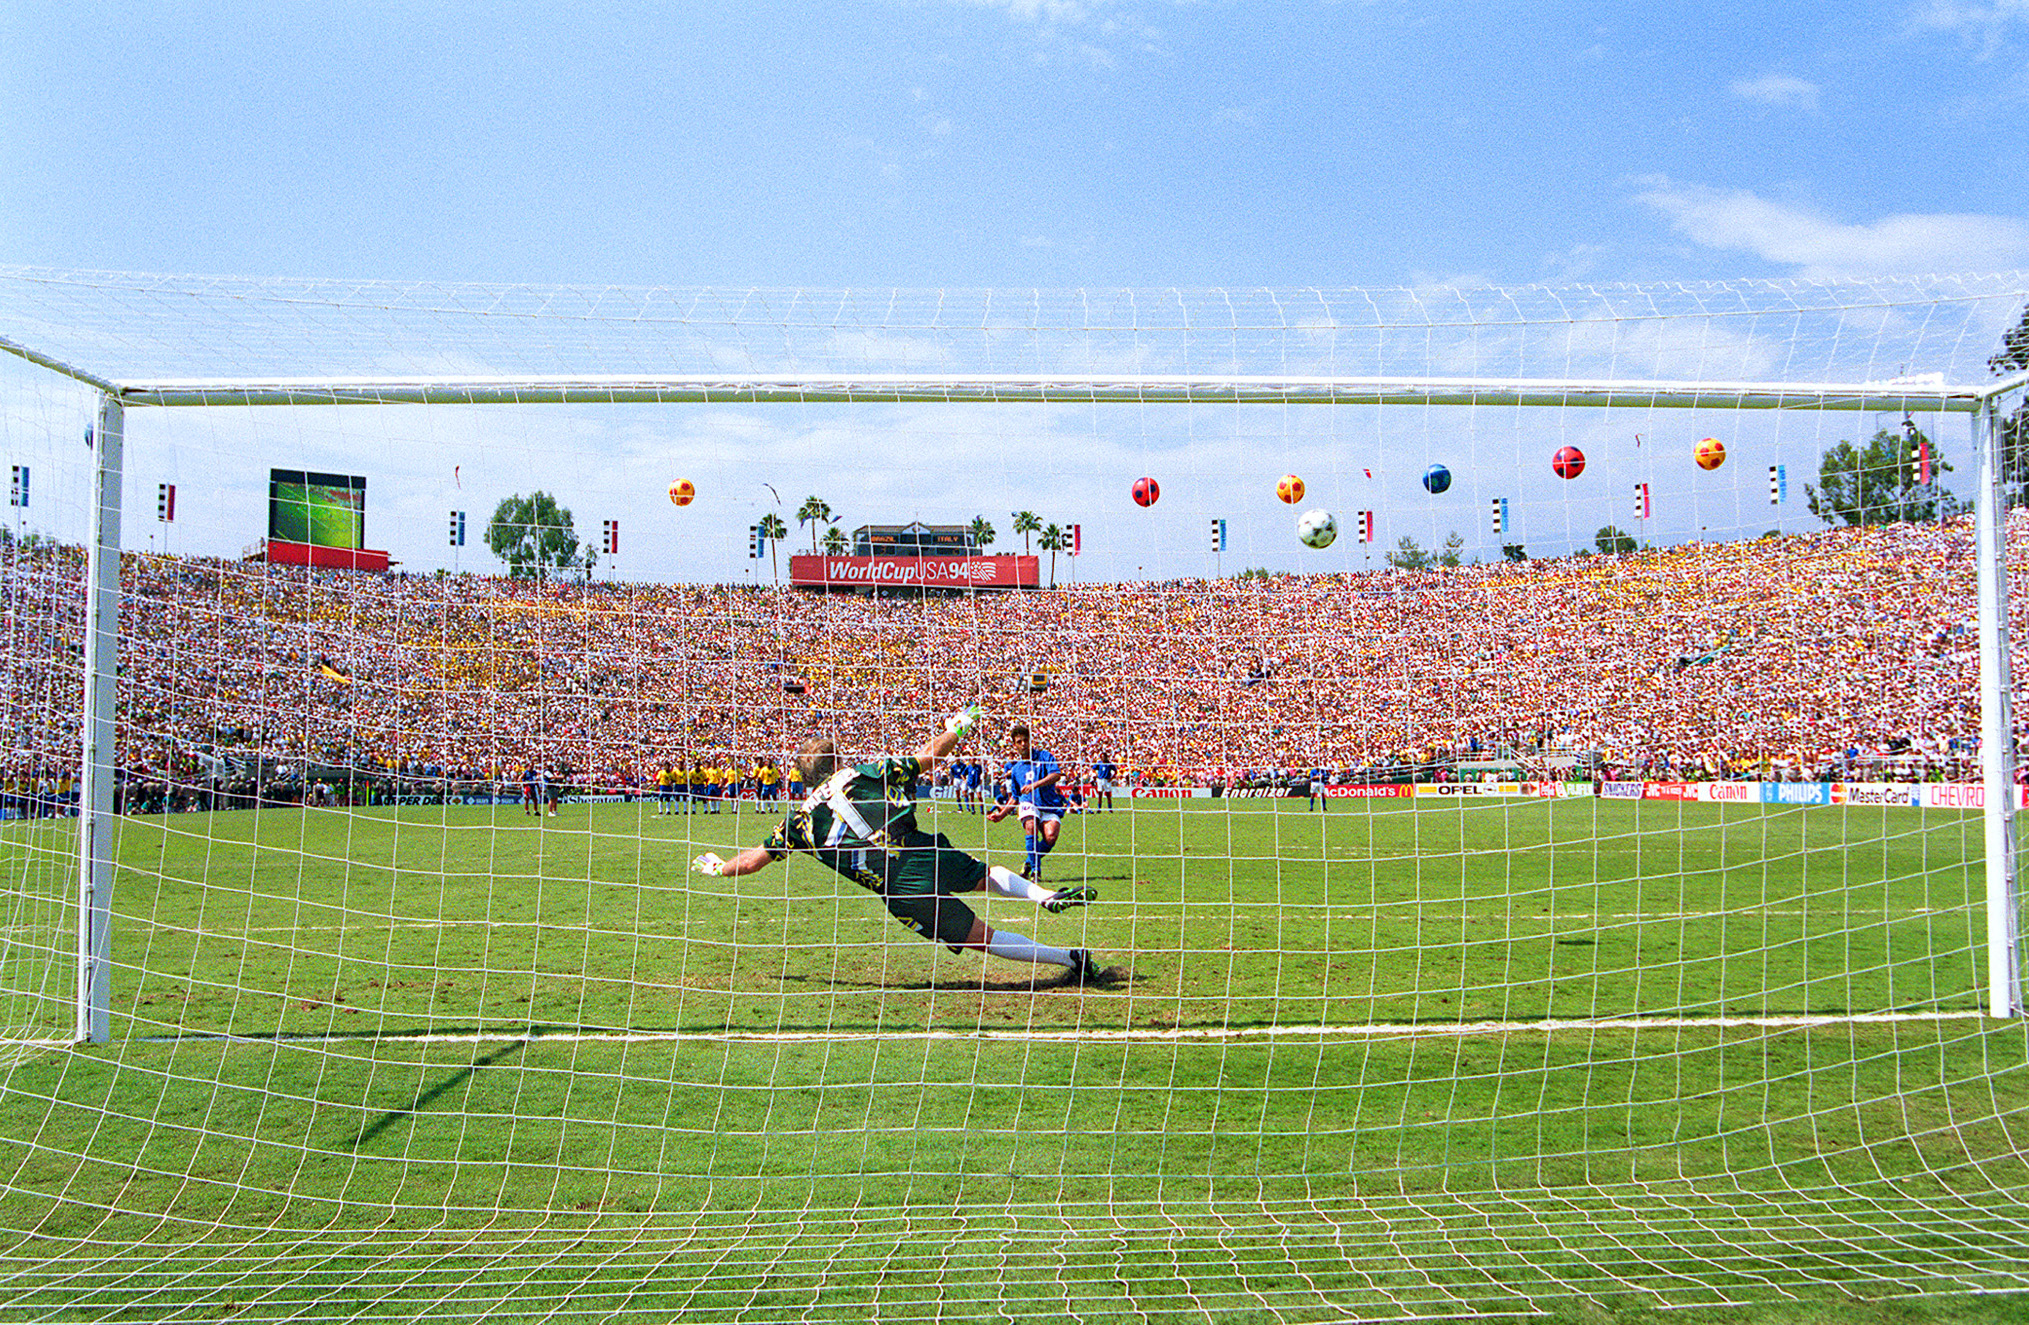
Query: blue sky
[1019,143]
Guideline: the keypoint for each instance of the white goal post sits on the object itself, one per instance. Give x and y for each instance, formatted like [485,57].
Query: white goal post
[1982,402]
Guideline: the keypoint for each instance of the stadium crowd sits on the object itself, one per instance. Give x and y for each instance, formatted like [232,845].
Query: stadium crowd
[1846,653]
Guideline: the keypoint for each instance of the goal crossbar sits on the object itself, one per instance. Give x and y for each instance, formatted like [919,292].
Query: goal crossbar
[1870,397]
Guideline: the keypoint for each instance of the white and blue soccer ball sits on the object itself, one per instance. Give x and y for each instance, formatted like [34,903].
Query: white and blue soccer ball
[1317,528]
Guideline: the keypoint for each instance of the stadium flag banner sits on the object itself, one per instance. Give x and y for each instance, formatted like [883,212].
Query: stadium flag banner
[1641,501]
[827,572]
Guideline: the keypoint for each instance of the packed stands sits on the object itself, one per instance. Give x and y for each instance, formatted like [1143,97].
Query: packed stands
[1837,652]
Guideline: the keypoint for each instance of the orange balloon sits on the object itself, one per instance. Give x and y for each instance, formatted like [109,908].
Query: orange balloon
[1290,488]
[1711,453]
[683,492]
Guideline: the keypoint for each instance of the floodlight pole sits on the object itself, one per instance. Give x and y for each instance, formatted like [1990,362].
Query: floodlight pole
[96,822]
[1997,725]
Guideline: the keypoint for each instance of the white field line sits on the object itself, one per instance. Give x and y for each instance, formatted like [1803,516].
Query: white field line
[1015,916]
[1363,1031]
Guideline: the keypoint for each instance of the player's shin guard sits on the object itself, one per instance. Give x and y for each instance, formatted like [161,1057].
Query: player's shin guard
[1022,948]
[1004,881]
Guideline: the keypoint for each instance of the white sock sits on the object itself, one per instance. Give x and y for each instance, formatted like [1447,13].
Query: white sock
[1022,948]
[1000,879]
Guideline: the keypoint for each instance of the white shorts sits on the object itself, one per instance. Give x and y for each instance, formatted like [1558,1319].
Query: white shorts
[1103,787]
[1028,812]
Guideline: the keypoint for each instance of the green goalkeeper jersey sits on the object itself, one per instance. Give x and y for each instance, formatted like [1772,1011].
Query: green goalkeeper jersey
[861,822]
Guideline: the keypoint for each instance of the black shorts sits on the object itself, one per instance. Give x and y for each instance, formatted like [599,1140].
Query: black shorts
[921,896]
[945,920]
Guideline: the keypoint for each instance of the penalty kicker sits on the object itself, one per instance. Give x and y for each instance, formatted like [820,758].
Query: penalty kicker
[859,820]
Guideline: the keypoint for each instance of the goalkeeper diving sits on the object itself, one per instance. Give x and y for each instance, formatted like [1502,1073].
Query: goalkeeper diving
[860,820]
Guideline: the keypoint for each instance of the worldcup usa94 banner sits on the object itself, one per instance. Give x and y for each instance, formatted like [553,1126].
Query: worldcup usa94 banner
[828,572]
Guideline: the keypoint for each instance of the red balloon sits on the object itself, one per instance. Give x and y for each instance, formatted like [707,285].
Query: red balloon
[1569,462]
[1146,490]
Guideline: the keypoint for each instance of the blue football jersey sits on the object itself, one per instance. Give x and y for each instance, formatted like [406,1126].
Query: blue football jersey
[1026,773]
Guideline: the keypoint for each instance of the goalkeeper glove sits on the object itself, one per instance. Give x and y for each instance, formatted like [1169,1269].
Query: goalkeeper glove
[963,721]
[709,863]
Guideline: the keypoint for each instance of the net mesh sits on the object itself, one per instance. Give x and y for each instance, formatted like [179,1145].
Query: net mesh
[1481,933]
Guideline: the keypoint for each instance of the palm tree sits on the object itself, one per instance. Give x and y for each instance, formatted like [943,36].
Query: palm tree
[1053,541]
[982,532]
[835,541]
[772,528]
[813,512]
[1026,523]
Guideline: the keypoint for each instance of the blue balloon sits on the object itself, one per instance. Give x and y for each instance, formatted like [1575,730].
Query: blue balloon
[1436,479]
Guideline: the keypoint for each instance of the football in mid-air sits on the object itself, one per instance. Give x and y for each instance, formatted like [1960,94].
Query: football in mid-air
[1569,462]
[682,492]
[1318,528]
[1146,490]
[1710,453]
[1290,488]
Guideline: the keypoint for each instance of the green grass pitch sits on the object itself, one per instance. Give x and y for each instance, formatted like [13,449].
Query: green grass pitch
[1397,1059]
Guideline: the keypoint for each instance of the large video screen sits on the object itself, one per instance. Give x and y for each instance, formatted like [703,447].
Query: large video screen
[328,510]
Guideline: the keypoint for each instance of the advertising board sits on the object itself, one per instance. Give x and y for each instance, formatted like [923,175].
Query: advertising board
[1902,794]
[1796,793]
[827,572]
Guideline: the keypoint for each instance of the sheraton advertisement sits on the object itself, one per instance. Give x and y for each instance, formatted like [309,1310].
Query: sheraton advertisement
[827,572]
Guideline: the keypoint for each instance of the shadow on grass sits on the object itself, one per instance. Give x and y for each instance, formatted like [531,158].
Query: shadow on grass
[1113,977]
[430,1096]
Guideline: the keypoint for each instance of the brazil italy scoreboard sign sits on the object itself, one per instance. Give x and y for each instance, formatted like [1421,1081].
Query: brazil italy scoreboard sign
[824,572]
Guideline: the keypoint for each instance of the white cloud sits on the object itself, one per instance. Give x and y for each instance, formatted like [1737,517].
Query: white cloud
[1777,90]
[1819,246]
[1987,22]
[1052,23]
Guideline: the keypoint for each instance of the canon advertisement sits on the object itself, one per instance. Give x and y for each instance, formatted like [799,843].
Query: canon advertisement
[826,572]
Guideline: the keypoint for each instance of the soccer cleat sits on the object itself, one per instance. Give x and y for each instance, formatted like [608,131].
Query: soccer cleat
[1084,970]
[1065,898]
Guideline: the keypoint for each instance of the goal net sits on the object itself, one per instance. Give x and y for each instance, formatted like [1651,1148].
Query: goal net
[1587,874]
